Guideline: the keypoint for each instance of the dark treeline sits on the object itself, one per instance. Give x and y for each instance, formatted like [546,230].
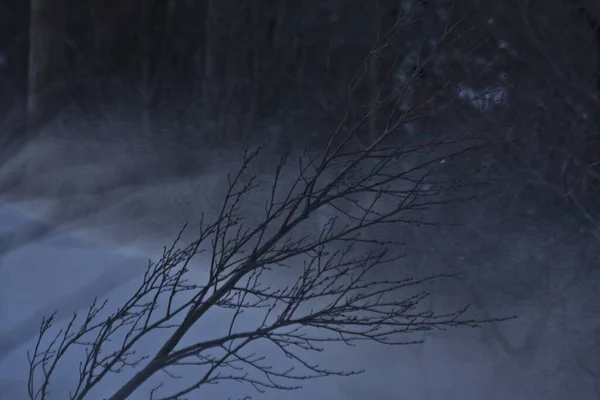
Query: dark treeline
[523,75]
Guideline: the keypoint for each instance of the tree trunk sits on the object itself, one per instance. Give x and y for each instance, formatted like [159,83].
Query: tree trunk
[46,60]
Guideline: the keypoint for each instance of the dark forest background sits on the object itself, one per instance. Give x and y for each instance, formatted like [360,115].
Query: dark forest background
[522,75]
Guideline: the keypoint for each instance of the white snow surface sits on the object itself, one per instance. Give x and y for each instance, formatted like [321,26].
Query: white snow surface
[104,252]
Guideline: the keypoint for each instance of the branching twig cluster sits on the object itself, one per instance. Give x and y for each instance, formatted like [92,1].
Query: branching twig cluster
[338,296]
[340,285]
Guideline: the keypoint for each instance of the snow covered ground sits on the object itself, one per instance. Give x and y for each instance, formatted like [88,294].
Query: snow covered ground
[512,265]
[64,273]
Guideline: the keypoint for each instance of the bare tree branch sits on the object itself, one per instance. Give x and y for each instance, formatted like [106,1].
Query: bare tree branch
[338,296]
[341,281]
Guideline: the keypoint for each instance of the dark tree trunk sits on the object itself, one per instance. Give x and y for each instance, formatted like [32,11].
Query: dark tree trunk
[45,89]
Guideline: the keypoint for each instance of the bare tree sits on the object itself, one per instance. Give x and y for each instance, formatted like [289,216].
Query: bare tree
[343,287]
[339,283]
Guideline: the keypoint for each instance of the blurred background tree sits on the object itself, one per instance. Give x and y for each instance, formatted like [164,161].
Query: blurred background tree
[523,74]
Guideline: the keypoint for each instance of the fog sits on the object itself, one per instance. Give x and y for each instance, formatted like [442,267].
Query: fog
[529,258]
[121,122]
